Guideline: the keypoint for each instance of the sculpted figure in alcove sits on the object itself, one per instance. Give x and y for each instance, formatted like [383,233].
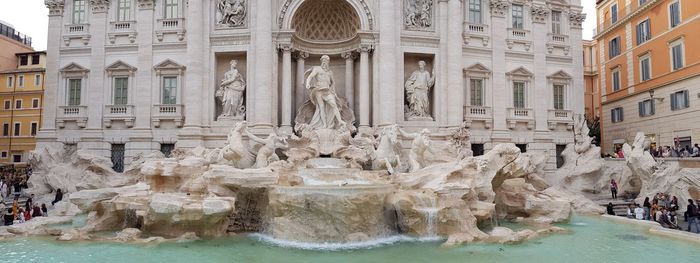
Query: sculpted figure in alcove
[417,89]
[324,109]
[230,93]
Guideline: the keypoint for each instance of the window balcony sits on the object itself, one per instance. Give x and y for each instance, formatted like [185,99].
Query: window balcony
[168,112]
[171,26]
[479,31]
[76,31]
[123,113]
[77,114]
[519,36]
[556,117]
[518,115]
[122,28]
[557,38]
[478,114]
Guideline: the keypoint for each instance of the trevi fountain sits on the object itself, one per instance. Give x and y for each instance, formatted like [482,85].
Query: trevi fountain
[323,188]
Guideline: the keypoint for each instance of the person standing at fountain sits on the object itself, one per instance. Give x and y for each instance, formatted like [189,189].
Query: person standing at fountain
[610,210]
[9,217]
[639,213]
[321,86]
[613,188]
[647,207]
[692,213]
[58,198]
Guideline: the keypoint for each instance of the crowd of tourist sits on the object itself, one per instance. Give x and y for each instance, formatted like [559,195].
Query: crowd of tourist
[17,214]
[664,210]
[13,180]
[665,152]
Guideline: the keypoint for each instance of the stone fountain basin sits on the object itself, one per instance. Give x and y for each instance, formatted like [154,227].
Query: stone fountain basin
[324,213]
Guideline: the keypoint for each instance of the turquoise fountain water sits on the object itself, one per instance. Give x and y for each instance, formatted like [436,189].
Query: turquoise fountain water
[589,240]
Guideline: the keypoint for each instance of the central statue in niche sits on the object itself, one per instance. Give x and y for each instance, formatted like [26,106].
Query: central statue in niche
[324,109]
[417,89]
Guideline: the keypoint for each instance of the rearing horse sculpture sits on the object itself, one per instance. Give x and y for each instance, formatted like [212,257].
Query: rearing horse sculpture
[386,156]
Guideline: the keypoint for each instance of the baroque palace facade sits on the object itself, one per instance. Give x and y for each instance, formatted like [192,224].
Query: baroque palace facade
[126,77]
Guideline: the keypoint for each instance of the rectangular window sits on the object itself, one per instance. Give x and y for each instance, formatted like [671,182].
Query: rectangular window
[677,55]
[118,157]
[121,90]
[20,81]
[171,9]
[641,2]
[680,100]
[556,22]
[644,68]
[124,10]
[614,47]
[476,92]
[517,11]
[8,104]
[35,59]
[18,129]
[616,79]
[18,104]
[558,97]
[10,82]
[23,60]
[643,32]
[617,115]
[3,155]
[646,108]
[675,14]
[79,7]
[167,149]
[475,11]
[477,149]
[37,80]
[17,158]
[35,128]
[74,86]
[35,103]
[169,90]
[613,13]
[518,95]
[5,129]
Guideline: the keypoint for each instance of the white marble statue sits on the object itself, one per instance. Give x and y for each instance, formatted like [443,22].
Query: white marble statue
[321,86]
[266,153]
[420,144]
[418,14]
[231,13]
[417,89]
[231,92]
[388,150]
[236,150]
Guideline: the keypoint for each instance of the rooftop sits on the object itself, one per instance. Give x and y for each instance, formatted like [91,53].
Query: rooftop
[10,32]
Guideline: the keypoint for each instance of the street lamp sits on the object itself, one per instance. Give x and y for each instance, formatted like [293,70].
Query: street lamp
[651,96]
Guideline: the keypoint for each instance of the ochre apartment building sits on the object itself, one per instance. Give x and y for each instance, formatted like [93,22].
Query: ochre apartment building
[648,71]
[590,79]
[21,97]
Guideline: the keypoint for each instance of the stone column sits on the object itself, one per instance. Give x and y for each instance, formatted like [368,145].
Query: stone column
[440,107]
[92,138]
[286,127]
[261,108]
[191,135]
[52,78]
[142,136]
[364,95]
[498,82]
[301,57]
[455,86]
[540,89]
[389,89]
[349,78]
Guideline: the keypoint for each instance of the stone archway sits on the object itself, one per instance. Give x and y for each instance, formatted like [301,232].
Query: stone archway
[290,8]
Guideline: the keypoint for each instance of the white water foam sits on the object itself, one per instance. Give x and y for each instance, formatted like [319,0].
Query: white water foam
[379,242]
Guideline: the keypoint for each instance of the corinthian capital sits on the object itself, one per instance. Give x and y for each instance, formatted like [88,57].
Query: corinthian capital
[498,8]
[577,19]
[99,6]
[539,13]
[55,7]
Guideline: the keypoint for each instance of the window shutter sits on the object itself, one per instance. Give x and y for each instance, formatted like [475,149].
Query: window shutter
[622,114]
[653,107]
[641,109]
[686,98]
[673,101]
